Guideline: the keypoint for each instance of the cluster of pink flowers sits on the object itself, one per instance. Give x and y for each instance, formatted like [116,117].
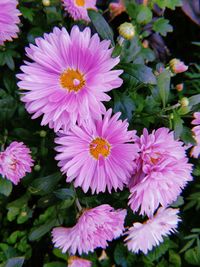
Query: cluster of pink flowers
[66,81]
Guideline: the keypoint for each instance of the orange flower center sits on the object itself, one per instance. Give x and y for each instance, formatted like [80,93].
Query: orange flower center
[80,2]
[98,147]
[72,80]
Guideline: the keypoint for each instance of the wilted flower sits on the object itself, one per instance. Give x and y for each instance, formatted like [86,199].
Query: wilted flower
[196,134]
[74,261]
[100,156]
[144,236]
[95,227]
[117,8]
[127,30]
[68,78]
[177,66]
[15,162]
[162,171]
[78,8]
[9,18]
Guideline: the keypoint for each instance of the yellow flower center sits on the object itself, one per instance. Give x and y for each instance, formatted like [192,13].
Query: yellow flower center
[98,147]
[72,80]
[80,2]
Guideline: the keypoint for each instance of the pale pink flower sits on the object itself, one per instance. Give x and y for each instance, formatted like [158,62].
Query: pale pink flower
[162,171]
[78,8]
[74,261]
[9,18]
[68,78]
[100,156]
[177,66]
[196,134]
[95,227]
[117,8]
[15,162]
[144,236]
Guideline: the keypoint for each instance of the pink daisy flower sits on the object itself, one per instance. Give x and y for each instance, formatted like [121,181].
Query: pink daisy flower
[78,8]
[15,162]
[95,227]
[9,18]
[74,261]
[196,134]
[144,236]
[162,171]
[100,156]
[68,78]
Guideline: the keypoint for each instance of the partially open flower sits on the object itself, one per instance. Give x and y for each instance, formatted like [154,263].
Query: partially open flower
[177,66]
[179,87]
[117,8]
[196,134]
[74,261]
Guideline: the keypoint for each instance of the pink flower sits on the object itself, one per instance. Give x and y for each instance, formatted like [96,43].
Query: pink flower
[9,18]
[144,236]
[68,78]
[15,162]
[177,66]
[196,134]
[78,8]
[162,171]
[74,261]
[117,8]
[98,156]
[95,227]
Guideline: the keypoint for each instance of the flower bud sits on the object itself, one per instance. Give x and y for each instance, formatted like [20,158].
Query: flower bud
[184,102]
[179,87]
[116,8]
[177,66]
[37,168]
[43,133]
[127,30]
[46,2]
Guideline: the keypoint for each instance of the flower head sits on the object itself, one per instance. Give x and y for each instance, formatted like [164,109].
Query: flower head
[127,30]
[68,78]
[162,171]
[78,8]
[98,156]
[9,18]
[15,162]
[95,227]
[177,66]
[117,8]
[196,134]
[74,261]
[144,236]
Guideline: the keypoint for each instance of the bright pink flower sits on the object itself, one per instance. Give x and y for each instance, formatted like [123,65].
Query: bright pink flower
[144,236]
[9,18]
[162,171]
[15,162]
[78,8]
[68,78]
[95,227]
[74,261]
[177,66]
[196,134]
[98,156]
[117,8]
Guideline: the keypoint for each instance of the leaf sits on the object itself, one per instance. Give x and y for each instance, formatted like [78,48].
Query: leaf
[162,26]
[65,193]
[192,256]
[5,187]
[179,202]
[101,25]
[139,72]
[178,125]
[194,100]
[144,15]
[163,83]
[55,264]
[27,13]
[188,245]
[15,262]
[39,231]
[174,259]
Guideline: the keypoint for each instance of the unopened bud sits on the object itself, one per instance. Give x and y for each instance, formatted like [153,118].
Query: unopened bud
[127,30]
[37,168]
[43,133]
[184,102]
[177,66]
[46,2]
[179,87]
[145,44]
[116,8]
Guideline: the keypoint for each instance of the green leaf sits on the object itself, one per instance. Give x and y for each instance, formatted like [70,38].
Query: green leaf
[139,72]
[194,100]
[178,125]
[179,202]
[192,256]
[162,26]
[144,15]
[27,13]
[5,187]
[163,83]
[55,264]
[187,245]
[15,262]
[65,193]
[174,259]
[39,231]
[101,25]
